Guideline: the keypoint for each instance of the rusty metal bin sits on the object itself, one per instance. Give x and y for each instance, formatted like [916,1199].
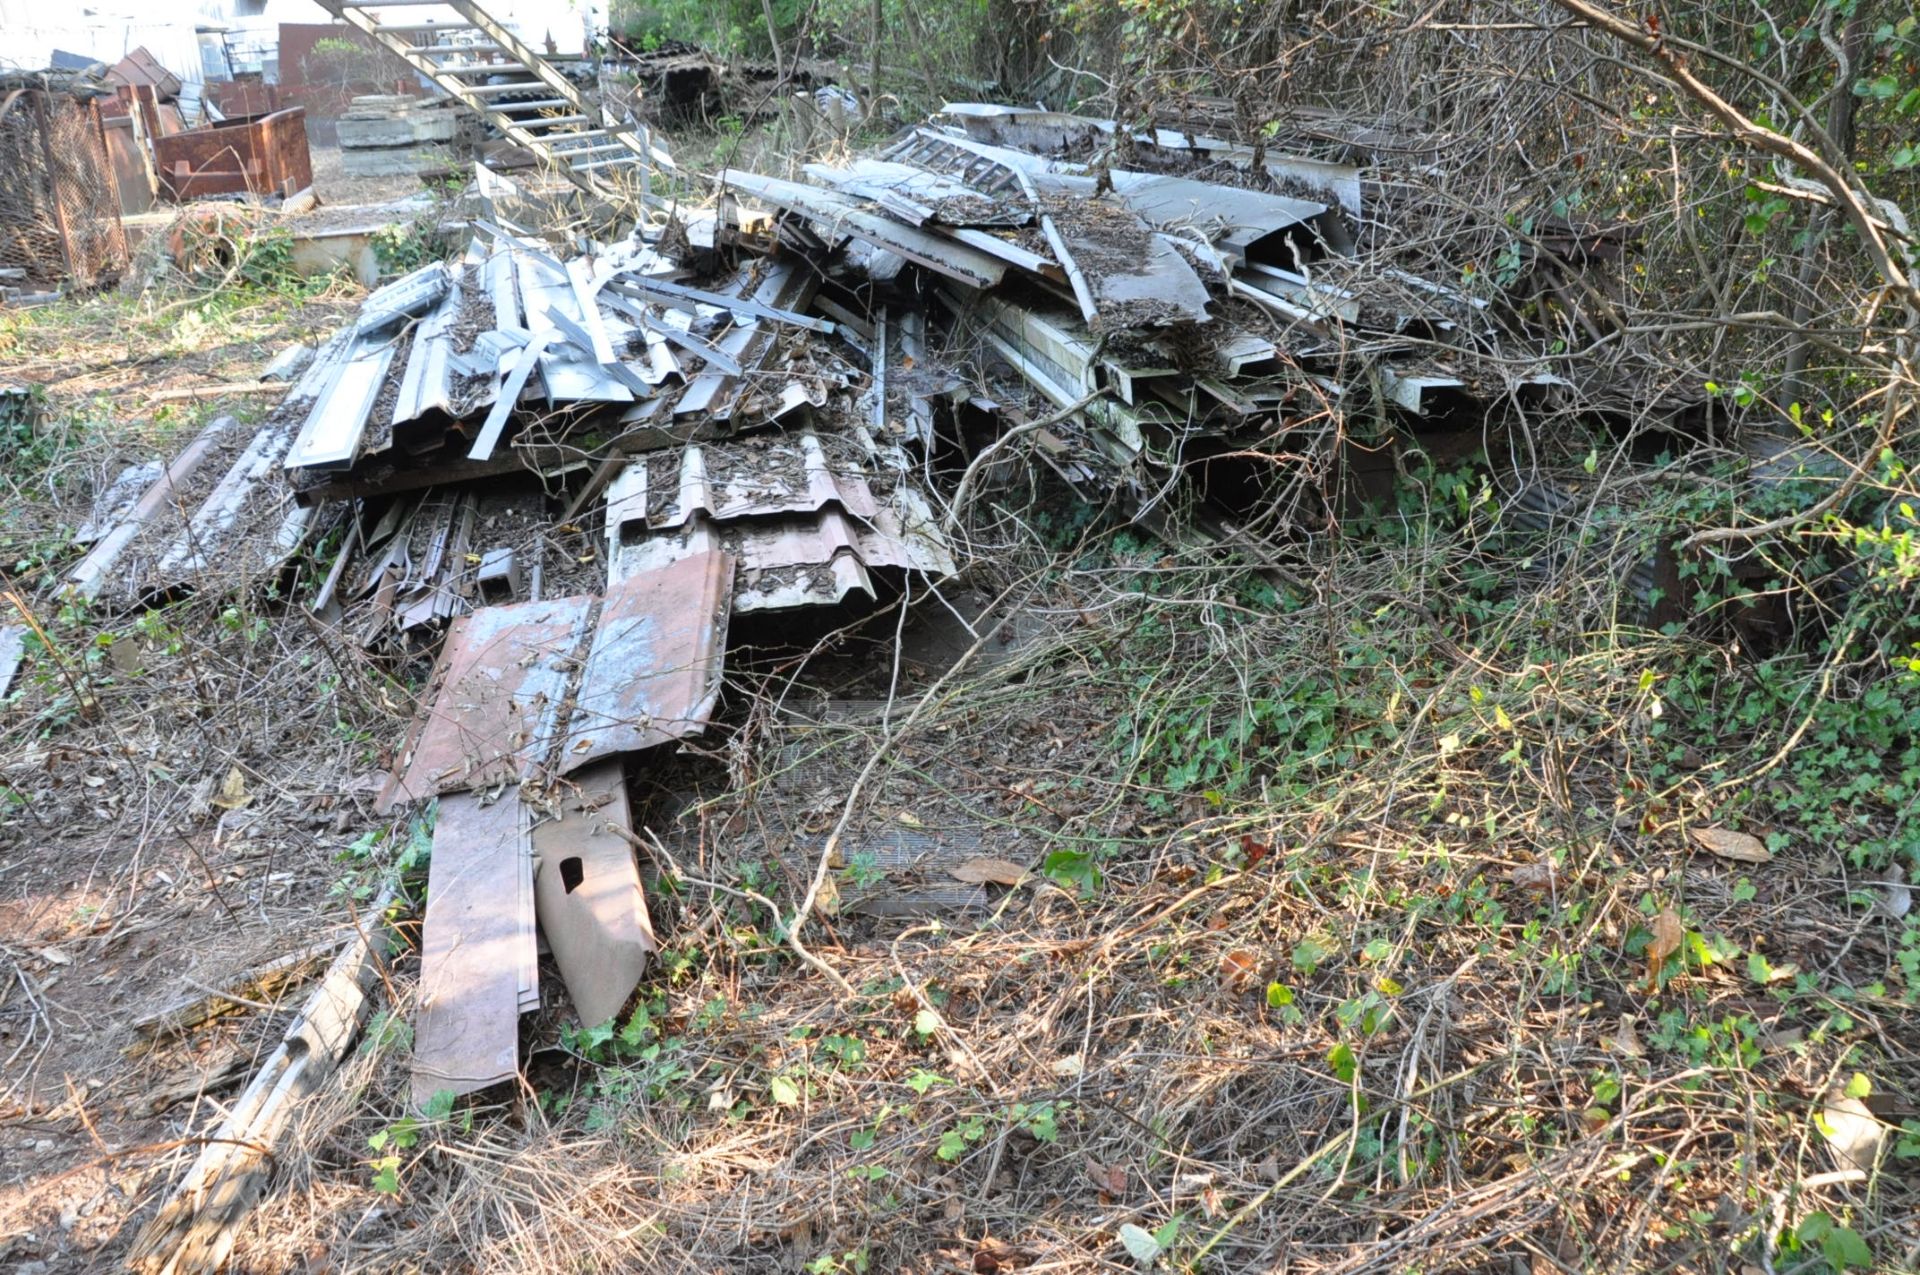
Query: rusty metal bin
[263,155]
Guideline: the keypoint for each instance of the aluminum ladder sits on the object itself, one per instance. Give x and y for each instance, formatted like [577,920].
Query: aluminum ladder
[597,153]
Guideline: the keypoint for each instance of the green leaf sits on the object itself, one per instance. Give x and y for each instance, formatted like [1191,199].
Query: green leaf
[1167,1234]
[1844,1249]
[926,1022]
[386,1175]
[1139,1242]
[1279,995]
[440,1106]
[921,1081]
[1344,1064]
[1859,1086]
[784,1091]
[952,1146]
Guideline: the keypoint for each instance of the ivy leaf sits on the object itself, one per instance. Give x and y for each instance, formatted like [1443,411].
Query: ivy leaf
[784,1091]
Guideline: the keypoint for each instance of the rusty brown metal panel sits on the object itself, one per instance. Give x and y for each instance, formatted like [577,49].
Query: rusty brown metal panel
[653,671]
[267,155]
[476,944]
[501,682]
[588,895]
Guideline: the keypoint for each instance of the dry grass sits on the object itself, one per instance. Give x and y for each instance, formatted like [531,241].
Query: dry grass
[1461,1064]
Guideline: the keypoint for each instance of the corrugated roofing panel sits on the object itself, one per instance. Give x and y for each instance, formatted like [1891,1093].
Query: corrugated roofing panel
[502,679]
[653,670]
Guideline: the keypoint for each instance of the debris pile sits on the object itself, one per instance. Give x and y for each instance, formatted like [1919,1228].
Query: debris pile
[581,461]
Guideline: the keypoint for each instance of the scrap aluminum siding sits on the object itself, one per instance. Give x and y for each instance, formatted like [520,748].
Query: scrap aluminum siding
[570,376]
[495,710]
[653,670]
[791,562]
[330,438]
[587,894]
[921,196]
[787,473]
[934,252]
[713,394]
[479,956]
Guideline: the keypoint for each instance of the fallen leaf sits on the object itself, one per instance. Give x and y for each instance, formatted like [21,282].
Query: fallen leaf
[1741,847]
[1533,876]
[985,871]
[1852,1131]
[910,819]
[233,790]
[1239,970]
[1254,851]
[54,956]
[827,901]
[1139,1243]
[1110,1178]
[1627,1040]
[1669,932]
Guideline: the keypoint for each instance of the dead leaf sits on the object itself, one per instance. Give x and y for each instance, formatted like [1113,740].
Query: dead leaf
[1669,932]
[987,871]
[54,956]
[827,901]
[1741,847]
[1110,1178]
[910,819]
[1854,1134]
[1239,970]
[1533,876]
[1627,1040]
[233,790]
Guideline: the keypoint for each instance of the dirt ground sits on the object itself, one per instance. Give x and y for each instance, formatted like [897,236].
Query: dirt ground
[335,185]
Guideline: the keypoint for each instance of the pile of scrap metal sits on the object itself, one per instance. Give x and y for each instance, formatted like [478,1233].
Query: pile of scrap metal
[1190,324]
[583,463]
[581,468]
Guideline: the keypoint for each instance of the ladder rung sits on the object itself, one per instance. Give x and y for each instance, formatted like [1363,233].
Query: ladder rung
[544,105]
[518,86]
[394,4]
[555,121]
[421,28]
[460,48]
[577,151]
[604,163]
[468,68]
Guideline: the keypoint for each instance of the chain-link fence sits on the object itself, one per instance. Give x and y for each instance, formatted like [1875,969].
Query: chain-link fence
[59,213]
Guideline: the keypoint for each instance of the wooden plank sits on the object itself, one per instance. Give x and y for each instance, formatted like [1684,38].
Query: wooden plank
[587,889]
[477,946]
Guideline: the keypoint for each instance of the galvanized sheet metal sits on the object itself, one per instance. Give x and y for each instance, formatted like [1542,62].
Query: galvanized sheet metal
[588,896]
[478,948]
[494,714]
[653,671]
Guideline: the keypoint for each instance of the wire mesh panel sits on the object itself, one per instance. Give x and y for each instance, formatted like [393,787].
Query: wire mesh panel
[59,213]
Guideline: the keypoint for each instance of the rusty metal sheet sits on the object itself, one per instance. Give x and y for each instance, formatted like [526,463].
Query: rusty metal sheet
[653,670]
[477,945]
[587,894]
[495,709]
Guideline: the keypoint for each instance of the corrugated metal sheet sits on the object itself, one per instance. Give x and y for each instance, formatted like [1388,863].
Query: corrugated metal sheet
[652,673]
